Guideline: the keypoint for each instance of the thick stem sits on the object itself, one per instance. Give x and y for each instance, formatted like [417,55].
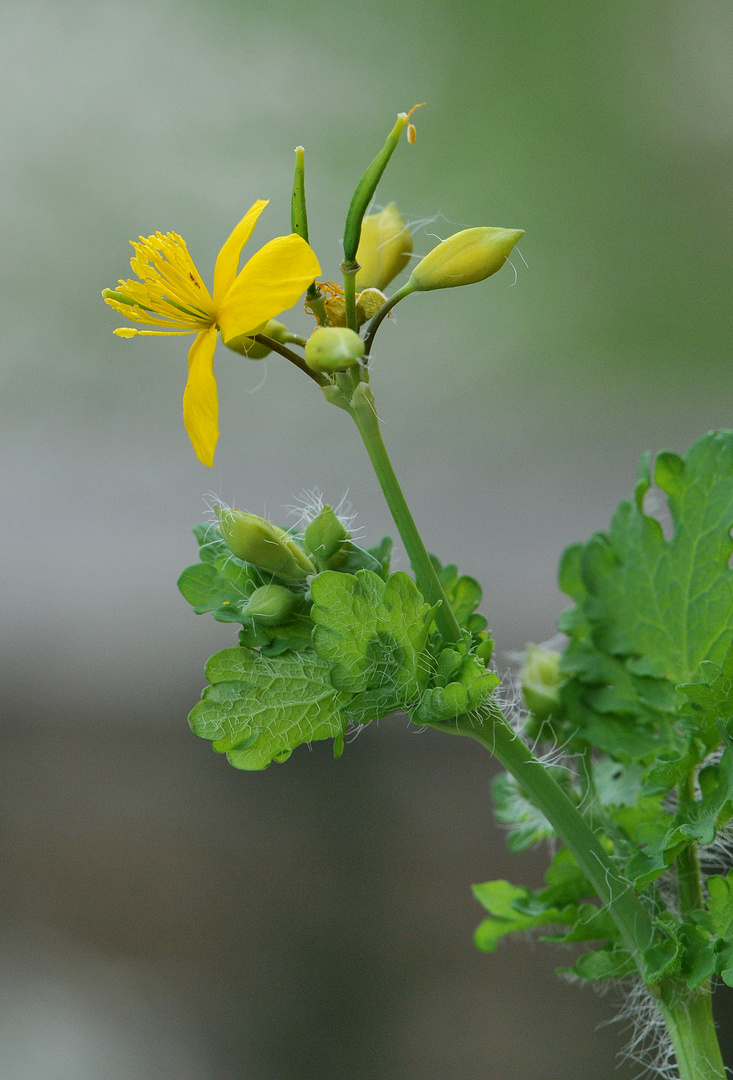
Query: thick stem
[687,1015]
[363,410]
[495,733]
[689,1020]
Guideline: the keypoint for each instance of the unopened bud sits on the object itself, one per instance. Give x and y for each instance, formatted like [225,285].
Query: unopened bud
[253,350]
[264,545]
[333,348]
[384,249]
[325,535]
[270,605]
[541,681]
[465,257]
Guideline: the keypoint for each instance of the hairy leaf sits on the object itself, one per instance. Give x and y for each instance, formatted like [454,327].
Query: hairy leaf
[649,611]
[258,709]
[372,633]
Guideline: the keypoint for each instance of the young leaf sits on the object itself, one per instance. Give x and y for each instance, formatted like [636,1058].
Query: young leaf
[258,710]
[608,963]
[372,633]
[499,898]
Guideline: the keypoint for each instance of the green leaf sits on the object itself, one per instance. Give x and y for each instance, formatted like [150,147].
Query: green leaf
[591,924]
[649,611]
[565,882]
[463,594]
[617,784]
[698,957]
[499,898]
[220,583]
[376,559]
[718,916]
[372,633]
[710,702]
[528,825]
[257,709]
[609,963]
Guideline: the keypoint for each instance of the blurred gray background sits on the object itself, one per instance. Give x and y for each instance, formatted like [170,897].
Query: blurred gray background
[163,917]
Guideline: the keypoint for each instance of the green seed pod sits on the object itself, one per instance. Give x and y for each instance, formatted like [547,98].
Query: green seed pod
[253,350]
[270,605]
[541,681]
[464,258]
[325,535]
[333,348]
[264,545]
[384,249]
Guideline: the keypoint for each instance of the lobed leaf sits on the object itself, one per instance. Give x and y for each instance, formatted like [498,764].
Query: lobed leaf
[372,633]
[259,709]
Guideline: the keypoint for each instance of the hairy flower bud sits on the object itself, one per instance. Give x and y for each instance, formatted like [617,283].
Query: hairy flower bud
[270,605]
[263,544]
[253,350]
[541,680]
[465,257]
[325,535]
[333,348]
[384,249]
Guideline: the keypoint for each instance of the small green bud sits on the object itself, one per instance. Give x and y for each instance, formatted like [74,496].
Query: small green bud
[325,535]
[384,249]
[264,545]
[270,605]
[464,258]
[253,350]
[333,348]
[541,681]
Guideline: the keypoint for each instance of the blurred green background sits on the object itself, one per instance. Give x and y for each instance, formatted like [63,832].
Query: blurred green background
[163,917]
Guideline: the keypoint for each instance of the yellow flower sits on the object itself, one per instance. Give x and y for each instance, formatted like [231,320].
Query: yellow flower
[171,294]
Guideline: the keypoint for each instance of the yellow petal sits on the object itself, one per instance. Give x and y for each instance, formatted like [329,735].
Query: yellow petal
[200,401]
[227,260]
[269,283]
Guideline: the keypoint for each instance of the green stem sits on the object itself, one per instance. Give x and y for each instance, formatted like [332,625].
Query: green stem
[689,879]
[384,310]
[293,357]
[350,273]
[363,410]
[494,732]
[687,1015]
[689,1020]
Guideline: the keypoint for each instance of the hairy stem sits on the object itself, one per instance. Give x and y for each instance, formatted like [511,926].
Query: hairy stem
[494,732]
[689,1020]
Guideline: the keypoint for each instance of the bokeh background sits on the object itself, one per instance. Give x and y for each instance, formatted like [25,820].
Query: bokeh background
[163,917]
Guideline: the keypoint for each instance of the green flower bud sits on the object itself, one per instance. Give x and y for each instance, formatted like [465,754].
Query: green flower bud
[325,535]
[333,348]
[384,249]
[267,547]
[541,681]
[253,350]
[270,605]
[465,257]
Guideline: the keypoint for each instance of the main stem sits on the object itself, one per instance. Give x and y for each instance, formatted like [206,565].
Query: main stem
[689,1020]
[365,416]
[687,1015]
[495,733]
